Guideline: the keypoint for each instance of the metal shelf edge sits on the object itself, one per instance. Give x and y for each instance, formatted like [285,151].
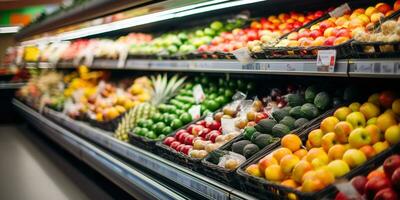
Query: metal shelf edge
[131,180]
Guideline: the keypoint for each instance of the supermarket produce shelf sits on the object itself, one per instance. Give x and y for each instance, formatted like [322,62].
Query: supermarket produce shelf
[130,179]
[10,86]
[200,185]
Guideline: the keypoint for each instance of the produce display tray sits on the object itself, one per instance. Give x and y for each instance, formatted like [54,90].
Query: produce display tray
[230,176]
[263,189]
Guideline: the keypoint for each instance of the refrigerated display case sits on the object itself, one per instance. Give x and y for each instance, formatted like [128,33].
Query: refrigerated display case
[168,99]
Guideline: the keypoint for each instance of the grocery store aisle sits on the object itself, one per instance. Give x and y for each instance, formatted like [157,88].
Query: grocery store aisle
[32,167]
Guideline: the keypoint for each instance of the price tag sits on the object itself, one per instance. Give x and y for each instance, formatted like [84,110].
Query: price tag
[194,111]
[348,189]
[243,55]
[364,67]
[340,11]
[326,60]
[198,94]
[388,67]
[123,54]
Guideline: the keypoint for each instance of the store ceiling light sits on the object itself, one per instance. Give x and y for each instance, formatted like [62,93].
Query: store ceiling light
[9,29]
[141,20]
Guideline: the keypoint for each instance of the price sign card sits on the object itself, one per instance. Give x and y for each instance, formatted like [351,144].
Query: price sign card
[326,60]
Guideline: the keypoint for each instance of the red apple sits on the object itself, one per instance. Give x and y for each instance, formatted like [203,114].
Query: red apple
[261,116]
[386,194]
[304,33]
[329,41]
[315,33]
[343,32]
[326,24]
[396,179]
[175,145]
[359,183]
[213,125]
[180,147]
[204,132]
[341,196]
[186,149]
[189,128]
[318,14]
[201,122]
[196,130]
[376,184]
[213,135]
[182,137]
[169,140]
[391,164]
[386,98]
[189,139]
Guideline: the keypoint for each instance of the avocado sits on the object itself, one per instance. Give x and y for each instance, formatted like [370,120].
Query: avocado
[254,136]
[265,125]
[322,101]
[238,147]
[280,130]
[288,121]
[248,132]
[296,112]
[249,150]
[310,94]
[279,114]
[295,100]
[300,122]
[263,140]
[310,110]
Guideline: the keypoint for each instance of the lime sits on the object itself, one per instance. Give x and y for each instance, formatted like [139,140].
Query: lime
[204,80]
[166,130]
[137,130]
[212,96]
[231,84]
[143,131]
[162,108]
[158,127]
[142,122]
[241,85]
[157,117]
[179,112]
[206,112]
[148,124]
[151,135]
[211,105]
[213,88]
[166,118]
[185,118]
[221,100]
[160,137]
[228,93]
[250,86]
[176,123]
[221,91]
[203,107]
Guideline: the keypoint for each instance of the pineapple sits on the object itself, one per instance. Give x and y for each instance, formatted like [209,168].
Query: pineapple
[162,90]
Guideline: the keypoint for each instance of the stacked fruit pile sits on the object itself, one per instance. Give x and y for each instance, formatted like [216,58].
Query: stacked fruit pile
[266,30]
[342,142]
[190,103]
[382,183]
[184,42]
[207,135]
[335,31]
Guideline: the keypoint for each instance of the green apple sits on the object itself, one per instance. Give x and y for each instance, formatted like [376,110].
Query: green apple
[354,157]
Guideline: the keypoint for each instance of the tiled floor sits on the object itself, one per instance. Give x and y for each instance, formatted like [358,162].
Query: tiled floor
[33,168]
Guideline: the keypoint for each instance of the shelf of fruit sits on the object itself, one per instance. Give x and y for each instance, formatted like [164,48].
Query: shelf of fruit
[340,146]
[276,37]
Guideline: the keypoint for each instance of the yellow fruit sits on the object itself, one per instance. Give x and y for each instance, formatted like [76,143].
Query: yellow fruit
[354,157]
[392,134]
[372,121]
[289,183]
[136,89]
[254,170]
[326,176]
[274,173]
[292,142]
[328,124]
[385,121]
[355,106]
[396,106]
[369,110]
[280,153]
[342,112]
[288,162]
[300,169]
[339,168]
